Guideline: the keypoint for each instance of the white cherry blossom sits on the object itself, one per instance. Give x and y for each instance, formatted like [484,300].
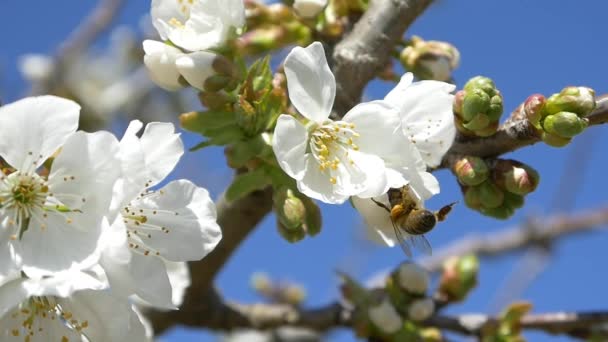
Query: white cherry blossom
[175,223]
[71,306]
[196,25]
[309,8]
[51,220]
[426,113]
[160,60]
[361,155]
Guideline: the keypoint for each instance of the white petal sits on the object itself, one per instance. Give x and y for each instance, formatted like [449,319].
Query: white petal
[311,84]
[160,61]
[179,277]
[82,178]
[367,176]
[116,259]
[289,145]
[395,96]
[32,129]
[12,293]
[427,117]
[317,185]
[162,11]
[189,214]
[196,67]
[309,8]
[109,317]
[62,284]
[133,167]
[377,219]
[151,280]
[162,149]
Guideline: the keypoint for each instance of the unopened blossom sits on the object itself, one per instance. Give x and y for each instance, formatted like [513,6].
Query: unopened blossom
[196,25]
[385,317]
[52,219]
[360,155]
[160,61]
[309,8]
[72,306]
[174,223]
[426,114]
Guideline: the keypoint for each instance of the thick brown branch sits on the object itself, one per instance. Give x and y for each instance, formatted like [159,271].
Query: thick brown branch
[366,50]
[519,237]
[512,135]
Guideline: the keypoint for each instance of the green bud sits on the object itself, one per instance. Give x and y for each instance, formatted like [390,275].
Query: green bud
[476,101]
[459,277]
[203,122]
[431,335]
[434,60]
[421,309]
[412,278]
[289,209]
[291,235]
[515,177]
[555,140]
[533,108]
[496,107]
[458,103]
[579,100]
[216,83]
[472,198]
[483,83]
[471,170]
[503,212]
[564,124]
[478,122]
[218,101]
[488,131]
[313,220]
[513,200]
[490,196]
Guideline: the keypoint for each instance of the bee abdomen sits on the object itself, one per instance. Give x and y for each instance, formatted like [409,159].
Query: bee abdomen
[420,222]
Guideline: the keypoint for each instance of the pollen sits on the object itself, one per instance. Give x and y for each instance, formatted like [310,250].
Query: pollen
[330,145]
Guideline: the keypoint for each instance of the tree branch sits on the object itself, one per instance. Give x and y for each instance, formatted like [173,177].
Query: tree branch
[366,50]
[519,237]
[512,135]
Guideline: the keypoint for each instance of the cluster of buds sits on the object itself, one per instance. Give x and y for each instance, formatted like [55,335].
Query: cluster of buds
[496,188]
[271,27]
[478,107]
[297,215]
[393,313]
[458,277]
[277,292]
[430,60]
[562,116]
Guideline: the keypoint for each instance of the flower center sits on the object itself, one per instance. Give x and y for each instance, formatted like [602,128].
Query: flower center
[143,224]
[23,194]
[36,314]
[330,145]
[184,9]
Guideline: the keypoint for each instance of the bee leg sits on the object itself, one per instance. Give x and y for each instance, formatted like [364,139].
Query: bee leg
[381,205]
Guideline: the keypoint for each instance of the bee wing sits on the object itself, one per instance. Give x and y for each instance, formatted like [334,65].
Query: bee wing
[421,244]
[403,241]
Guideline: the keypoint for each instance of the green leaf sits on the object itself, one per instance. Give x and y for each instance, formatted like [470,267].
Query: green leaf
[221,136]
[202,122]
[241,152]
[245,183]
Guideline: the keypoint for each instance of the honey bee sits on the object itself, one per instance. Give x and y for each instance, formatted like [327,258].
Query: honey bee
[407,215]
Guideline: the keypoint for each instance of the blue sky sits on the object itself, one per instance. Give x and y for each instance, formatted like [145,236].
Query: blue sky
[525,46]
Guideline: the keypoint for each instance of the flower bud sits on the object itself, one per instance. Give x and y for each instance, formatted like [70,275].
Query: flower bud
[502,212]
[432,60]
[564,124]
[471,170]
[261,283]
[471,197]
[291,235]
[309,8]
[513,200]
[579,100]
[490,196]
[313,220]
[196,67]
[413,278]
[515,177]
[459,277]
[431,335]
[385,317]
[478,107]
[533,108]
[289,209]
[555,140]
[219,101]
[421,309]
[160,61]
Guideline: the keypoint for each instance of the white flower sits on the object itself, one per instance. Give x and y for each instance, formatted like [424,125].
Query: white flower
[362,155]
[196,67]
[196,25]
[385,317]
[413,278]
[69,307]
[160,61]
[175,223]
[427,118]
[309,8]
[36,67]
[52,221]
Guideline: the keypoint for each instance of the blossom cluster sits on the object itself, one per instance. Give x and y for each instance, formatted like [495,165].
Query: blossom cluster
[376,146]
[86,231]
